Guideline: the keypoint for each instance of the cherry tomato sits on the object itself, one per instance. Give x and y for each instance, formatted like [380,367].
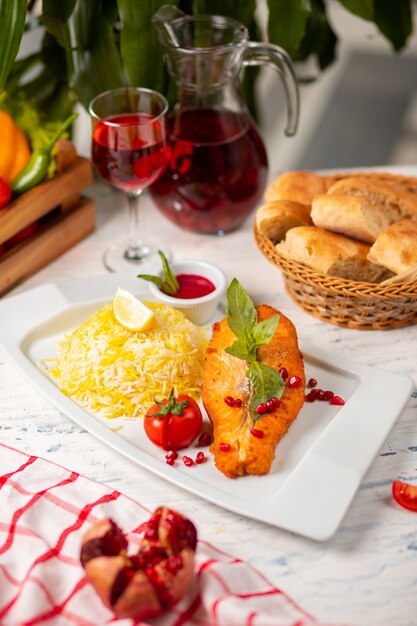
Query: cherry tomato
[173,423]
[5,193]
[405,495]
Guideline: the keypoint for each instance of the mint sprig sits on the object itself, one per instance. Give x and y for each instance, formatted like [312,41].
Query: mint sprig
[169,283]
[242,318]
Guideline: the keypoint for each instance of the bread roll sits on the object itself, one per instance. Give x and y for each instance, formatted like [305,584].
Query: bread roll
[393,202]
[406,182]
[396,247]
[331,254]
[296,186]
[274,218]
[352,216]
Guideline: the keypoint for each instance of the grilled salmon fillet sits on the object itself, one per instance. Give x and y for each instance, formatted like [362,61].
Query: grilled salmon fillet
[224,375]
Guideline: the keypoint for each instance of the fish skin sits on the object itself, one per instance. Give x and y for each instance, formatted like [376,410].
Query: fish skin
[225,375]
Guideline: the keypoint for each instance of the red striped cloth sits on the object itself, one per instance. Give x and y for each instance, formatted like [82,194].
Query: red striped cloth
[45,510]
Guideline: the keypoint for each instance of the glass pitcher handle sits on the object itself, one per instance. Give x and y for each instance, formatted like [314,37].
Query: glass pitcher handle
[277,58]
[161,21]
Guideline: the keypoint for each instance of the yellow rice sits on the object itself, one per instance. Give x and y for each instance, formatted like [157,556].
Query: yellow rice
[117,372]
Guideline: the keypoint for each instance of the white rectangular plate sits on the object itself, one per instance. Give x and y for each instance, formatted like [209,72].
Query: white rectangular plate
[320,462]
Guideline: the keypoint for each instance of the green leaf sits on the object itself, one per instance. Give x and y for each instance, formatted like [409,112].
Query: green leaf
[394,20]
[242,320]
[240,10]
[20,68]
[319,39]
[240,350]
[153,279]
[287,23]
[263,332]
[169,283]
[97,62]
[12,20]
[171,406]
[169,276]
[141,51]
[55,16]
[240,310]
[266,382]
[361,8]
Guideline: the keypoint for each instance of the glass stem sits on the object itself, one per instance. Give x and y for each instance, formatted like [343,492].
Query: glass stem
[135,251]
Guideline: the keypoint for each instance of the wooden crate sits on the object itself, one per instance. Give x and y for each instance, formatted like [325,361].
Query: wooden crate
[57,214]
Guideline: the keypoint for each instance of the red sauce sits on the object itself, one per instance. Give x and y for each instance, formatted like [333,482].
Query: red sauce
[193,286]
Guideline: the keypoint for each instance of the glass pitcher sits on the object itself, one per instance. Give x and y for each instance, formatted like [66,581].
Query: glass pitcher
[218,164]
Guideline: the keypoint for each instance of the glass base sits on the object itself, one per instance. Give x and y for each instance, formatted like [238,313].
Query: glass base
[119,257]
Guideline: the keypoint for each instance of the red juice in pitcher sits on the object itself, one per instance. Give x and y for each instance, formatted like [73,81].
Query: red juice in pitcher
[216,173]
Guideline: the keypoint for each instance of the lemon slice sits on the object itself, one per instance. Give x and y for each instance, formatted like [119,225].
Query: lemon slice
[131,312]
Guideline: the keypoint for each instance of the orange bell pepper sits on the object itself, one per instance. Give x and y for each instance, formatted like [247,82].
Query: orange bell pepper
[14,148]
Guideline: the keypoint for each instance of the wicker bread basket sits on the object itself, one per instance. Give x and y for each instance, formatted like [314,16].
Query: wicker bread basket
[342,302]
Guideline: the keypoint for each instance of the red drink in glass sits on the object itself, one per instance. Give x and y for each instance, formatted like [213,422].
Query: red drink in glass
[217,170]
[129,150]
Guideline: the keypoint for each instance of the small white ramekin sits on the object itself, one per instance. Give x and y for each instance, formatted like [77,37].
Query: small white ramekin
[198,310]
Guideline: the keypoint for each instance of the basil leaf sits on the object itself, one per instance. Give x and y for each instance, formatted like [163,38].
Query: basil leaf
[266,382]
[240,310]
[240,350]
[169,276]
[263,332]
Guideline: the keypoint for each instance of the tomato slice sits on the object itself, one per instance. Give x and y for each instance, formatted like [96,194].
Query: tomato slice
[405,494]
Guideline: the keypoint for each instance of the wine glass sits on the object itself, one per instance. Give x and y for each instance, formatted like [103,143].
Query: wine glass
[129,150]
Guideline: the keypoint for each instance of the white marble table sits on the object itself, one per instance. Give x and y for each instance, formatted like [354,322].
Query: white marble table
[366,575]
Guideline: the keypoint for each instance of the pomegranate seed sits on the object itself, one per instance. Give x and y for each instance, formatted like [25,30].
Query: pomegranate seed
[294,381]
[257,433]
[238,403]
[187,461]
[337,400]
[204,439]
[170,460]
[200,458]
[229,401]
[310,397]
[277,403]
[174,563]
[320,394]
[224,447]
[328,395]
[283,372]
[261,408]
[270,405]
[172,455]
[312,382]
